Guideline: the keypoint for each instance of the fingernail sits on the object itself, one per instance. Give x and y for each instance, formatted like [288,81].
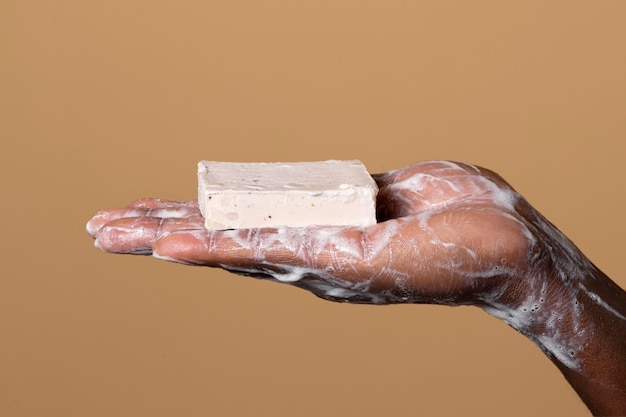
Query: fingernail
[93,224]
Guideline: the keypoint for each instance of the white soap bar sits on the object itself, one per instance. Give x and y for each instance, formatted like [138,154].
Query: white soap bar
[235,195]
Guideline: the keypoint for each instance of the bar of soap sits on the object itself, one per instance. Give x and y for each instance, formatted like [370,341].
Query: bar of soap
[234,195]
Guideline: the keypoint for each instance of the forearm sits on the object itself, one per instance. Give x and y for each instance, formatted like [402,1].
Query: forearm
[598,368]
[578,319]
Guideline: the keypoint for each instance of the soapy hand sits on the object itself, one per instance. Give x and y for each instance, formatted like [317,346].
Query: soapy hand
[447,233]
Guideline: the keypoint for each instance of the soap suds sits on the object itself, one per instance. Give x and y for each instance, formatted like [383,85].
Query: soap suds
[596,298]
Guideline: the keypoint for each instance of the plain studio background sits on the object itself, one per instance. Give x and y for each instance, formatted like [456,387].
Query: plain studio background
[104,102]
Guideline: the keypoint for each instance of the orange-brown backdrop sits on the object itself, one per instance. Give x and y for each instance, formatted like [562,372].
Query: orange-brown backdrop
[103,102]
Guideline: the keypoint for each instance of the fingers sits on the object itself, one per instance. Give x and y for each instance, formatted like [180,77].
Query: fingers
[175,231]
[129,235]
[95,224]
[134,229]
[143,208]
[137,235]
[286,254]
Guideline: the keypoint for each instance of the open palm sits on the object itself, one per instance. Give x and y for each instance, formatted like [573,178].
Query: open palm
[447,233]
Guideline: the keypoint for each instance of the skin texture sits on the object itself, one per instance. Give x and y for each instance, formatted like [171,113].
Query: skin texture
[447,233]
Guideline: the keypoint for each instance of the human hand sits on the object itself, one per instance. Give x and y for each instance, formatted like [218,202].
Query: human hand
[448,233]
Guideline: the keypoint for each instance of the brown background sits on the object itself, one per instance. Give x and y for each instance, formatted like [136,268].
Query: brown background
[103,102]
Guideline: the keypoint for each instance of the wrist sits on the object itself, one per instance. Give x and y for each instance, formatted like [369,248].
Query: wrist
[577,316]
[548,311]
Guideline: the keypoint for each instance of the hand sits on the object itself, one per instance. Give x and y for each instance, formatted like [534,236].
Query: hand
[448,233]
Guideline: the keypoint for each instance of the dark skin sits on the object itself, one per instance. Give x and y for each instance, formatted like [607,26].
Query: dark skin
[447,233]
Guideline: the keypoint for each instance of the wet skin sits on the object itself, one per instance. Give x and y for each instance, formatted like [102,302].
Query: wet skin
[447,233]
